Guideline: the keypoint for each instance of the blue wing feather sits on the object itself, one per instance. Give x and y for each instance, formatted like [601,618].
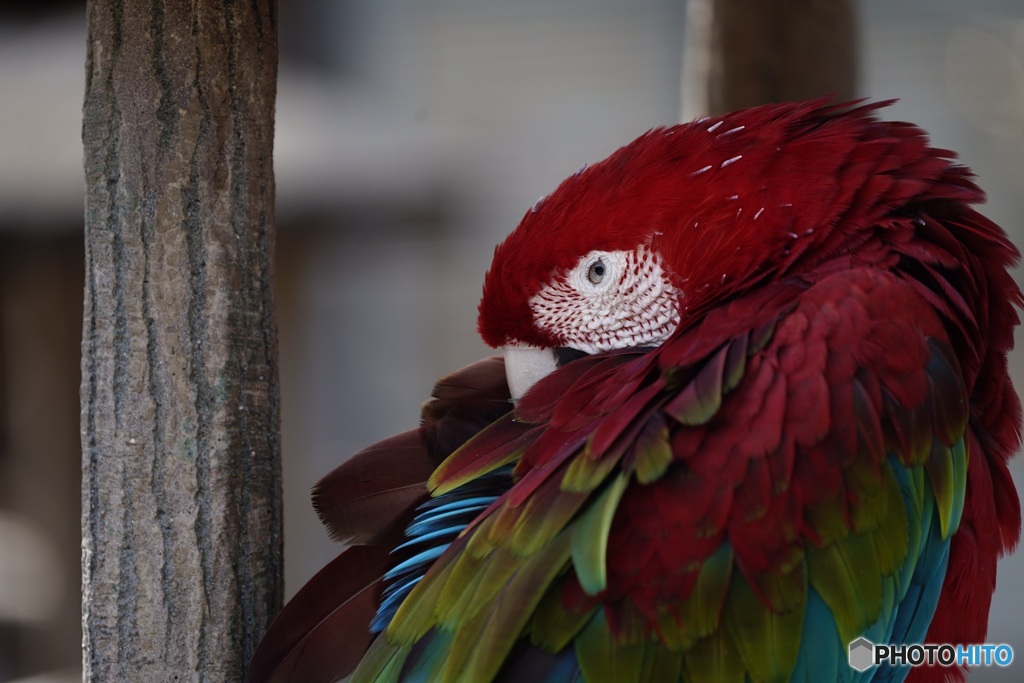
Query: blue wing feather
[436,524]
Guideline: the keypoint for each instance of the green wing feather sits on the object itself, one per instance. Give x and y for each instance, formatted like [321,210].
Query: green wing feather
[590,537]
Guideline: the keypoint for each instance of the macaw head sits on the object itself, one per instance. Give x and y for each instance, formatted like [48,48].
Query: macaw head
[682,218]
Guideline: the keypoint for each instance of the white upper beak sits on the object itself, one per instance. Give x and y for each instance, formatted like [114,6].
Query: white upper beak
[525,365]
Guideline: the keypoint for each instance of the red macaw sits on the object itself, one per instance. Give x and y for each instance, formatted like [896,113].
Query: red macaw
[759,409]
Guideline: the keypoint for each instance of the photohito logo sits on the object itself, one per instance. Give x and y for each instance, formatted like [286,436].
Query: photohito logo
[864,654]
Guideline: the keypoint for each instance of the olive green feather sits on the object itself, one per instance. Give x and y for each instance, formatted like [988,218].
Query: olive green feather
[652,452]
[382,663]
[590,537]
[602,658]
[509,612]
[768,638]
[848,578]
[715,658]
[555,625]
[701,398]
[947,472]
[700,613]
[587,471]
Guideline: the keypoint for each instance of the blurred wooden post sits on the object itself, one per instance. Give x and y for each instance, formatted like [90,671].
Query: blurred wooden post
[181,496]
[741,53]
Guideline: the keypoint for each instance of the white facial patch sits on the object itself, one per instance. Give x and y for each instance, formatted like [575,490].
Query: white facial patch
[609,300]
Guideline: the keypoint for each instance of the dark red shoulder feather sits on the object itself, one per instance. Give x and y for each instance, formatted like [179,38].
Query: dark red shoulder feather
[368,500]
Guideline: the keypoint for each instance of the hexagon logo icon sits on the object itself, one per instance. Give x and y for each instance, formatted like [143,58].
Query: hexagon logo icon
[862,653]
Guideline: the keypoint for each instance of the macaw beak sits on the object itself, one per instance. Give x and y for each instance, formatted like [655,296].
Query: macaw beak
[525,365]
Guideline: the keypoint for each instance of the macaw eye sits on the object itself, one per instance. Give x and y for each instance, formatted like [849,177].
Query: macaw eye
[596,271]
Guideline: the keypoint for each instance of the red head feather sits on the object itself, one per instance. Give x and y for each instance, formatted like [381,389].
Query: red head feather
[725,202]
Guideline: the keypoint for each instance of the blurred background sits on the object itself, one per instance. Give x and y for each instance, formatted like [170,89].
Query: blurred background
[411,136]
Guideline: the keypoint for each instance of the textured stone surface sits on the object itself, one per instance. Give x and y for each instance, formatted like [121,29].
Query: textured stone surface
[181,520]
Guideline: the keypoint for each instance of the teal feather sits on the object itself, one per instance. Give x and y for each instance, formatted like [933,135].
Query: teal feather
[915,612]
[391,599]
[821,651]
[431,517]
[426,538]
[426,665]
[437,523]
[423,558]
